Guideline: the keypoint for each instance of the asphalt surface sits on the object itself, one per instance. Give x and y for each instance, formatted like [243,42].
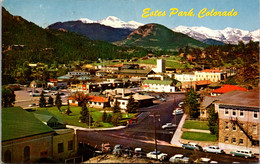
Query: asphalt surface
[142,133]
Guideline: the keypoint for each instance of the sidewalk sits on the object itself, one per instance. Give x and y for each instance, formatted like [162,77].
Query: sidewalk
[178,133]
[196,130]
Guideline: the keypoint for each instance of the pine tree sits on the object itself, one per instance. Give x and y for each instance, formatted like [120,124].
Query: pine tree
[85,116]
[104,116]
[50,101]
[116,108]
[191,105]
[109,118]
[213,120]
[42,101]
[131,106]
[58,101]
[116,118]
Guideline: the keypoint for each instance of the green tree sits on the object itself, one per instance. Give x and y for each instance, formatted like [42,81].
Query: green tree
[8,97]
[85,115]
[116,118]
[213,120]
[116,108]
[50,101]
[58,101]
[42,101]
[104,116]
[109,118]
[131,106]
[191,105]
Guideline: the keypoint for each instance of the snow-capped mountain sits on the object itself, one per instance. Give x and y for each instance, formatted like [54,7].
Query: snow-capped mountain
[227,35]
[115,22]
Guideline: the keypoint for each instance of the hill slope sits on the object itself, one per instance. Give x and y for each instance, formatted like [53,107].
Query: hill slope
[47,46]
[94,31]
[158,36]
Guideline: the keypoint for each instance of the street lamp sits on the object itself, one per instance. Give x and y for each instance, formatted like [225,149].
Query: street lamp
[155,136]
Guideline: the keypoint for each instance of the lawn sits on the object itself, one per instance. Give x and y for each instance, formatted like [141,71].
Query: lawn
[198,136]
[73,118]
[193,124]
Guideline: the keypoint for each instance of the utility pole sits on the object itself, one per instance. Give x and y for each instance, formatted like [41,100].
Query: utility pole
[155,136]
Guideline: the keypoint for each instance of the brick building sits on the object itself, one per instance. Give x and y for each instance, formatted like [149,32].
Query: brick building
[239,120]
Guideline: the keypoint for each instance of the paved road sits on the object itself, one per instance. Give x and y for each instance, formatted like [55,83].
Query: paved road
[142,134]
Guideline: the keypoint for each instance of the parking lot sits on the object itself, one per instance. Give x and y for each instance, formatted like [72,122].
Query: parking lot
[24,99]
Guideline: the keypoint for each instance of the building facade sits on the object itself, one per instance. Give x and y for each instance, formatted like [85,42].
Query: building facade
[209,74]
[158,86]
[239,120]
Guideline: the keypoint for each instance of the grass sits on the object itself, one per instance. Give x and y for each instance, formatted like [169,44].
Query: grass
[198,136]
[73,118]
[193,124]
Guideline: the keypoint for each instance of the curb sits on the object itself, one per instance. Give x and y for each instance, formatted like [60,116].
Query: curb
[95,129]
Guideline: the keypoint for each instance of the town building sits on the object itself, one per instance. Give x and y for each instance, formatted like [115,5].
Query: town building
[161,66]
[158,86]
[26,139]
[210,74]
[129,73]
[188,80]
[238,113]
[225,89]
[78,73]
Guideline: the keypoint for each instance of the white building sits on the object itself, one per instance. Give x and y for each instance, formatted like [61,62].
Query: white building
[161,66]
[78,73]
[209,74]
[158,86]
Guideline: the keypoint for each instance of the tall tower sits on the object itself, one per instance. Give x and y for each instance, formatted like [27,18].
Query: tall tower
[161,66]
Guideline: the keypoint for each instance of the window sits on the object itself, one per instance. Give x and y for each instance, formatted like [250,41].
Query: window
[226,125]
[233,140]
[234,113]
[70,145]
[241,141]
[225,139]
[26,154]
[60,147]
[226,111]
[254,129]
[234,127]
[99,103]
[241,113]
[7,158]
[255,115]
[123,103]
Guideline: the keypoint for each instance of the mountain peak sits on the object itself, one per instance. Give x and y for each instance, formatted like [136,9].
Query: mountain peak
[114,22]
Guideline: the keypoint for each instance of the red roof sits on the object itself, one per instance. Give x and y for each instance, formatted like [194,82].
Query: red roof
[118,65]
[210,70]
[93,99]
[228,88]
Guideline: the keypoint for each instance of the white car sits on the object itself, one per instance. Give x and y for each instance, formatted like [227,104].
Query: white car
[168,125]
[160,156]
[179,158]
[213,149]
[180,104]
[177,111]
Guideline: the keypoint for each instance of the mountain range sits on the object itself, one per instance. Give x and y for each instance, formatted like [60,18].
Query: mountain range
[159,37]
[227,35]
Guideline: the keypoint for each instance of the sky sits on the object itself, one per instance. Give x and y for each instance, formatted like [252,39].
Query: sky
[46,12]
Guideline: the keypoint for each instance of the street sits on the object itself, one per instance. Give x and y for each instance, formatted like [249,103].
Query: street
[142,134]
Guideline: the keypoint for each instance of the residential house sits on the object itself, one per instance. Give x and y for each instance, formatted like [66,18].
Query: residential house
[238,113]
[158,86]
[93,101]
[129,73]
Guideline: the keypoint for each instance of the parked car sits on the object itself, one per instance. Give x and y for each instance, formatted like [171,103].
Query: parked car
[163,99]
[202,160]
[138,152]
[168,125]
[106,148]
[35,94]
[160,156]
[179,158]
[177,111]
[213,149]
[192,146]
[242,153]
[118,150]
[32,105]
[128,151]
[180,104]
